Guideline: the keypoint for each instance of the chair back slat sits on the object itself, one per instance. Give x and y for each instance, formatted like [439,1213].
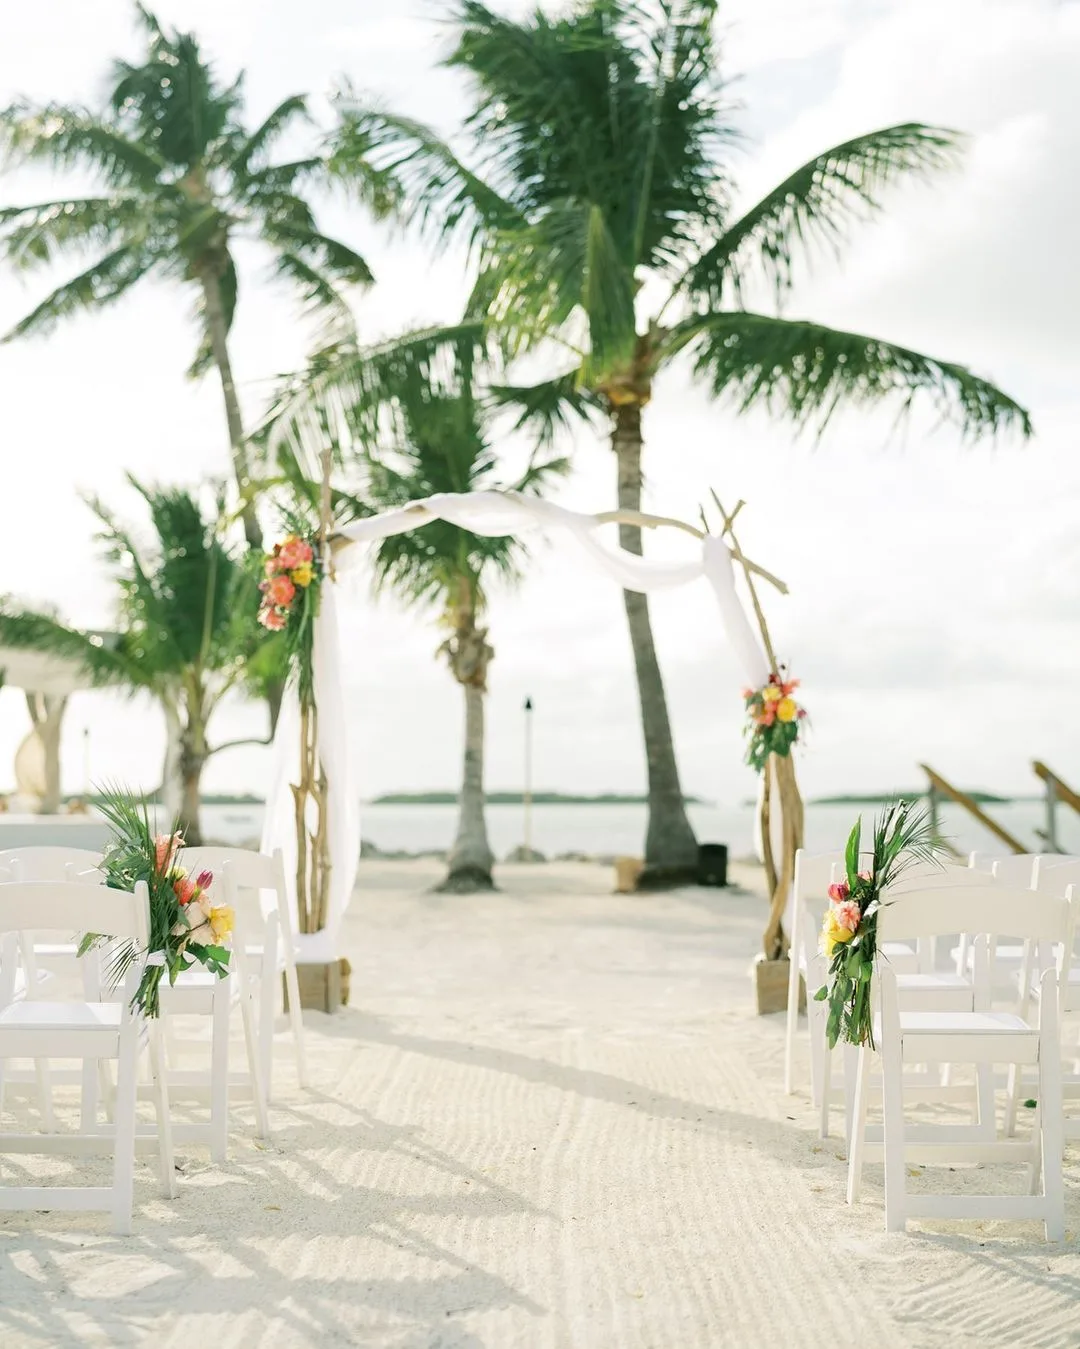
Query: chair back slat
[1054,875]
[68,906]
[41,863]
[990,908]
[1018,870]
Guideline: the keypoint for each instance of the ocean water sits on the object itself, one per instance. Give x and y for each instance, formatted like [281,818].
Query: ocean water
[620,829]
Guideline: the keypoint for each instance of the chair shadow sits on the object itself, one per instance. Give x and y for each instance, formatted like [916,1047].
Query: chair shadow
[314,1200]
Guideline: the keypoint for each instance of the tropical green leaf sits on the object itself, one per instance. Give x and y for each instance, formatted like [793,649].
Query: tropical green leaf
[806,371]
[818,203]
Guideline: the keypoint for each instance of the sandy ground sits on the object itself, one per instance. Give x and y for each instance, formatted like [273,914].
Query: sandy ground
[549,1119]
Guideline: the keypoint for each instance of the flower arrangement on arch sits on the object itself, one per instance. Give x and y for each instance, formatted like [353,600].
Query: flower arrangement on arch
[903,835]
[187,926]
[289,573]
[774,719]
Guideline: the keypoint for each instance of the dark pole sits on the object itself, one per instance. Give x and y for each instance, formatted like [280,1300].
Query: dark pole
[528,776]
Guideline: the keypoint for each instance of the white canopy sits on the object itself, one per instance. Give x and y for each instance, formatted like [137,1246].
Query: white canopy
[489,513]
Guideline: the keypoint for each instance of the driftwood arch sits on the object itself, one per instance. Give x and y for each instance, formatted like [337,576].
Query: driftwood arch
[505,513]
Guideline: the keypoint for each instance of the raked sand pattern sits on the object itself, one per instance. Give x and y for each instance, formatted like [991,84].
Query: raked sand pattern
[549,1120]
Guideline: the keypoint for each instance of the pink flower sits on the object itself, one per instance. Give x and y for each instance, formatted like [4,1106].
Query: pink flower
[166,846]
[848,915]
[204,880]
[273,619]
[280,590]
[866,875]
[839,892]
[184,889]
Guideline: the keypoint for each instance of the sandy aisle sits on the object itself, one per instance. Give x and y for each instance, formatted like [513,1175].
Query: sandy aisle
[549,1120]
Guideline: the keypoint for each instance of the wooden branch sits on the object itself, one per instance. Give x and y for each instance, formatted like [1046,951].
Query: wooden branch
[245,740]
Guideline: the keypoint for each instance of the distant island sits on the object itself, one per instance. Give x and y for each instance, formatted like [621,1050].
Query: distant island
[881,798]
[517,799]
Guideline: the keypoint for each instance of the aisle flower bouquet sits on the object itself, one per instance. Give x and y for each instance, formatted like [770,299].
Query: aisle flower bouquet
[774,720]
[903,835]
[187,926]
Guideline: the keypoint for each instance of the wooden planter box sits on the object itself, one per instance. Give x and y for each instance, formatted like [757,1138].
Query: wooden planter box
[323,987]
[771,986]
[627,872]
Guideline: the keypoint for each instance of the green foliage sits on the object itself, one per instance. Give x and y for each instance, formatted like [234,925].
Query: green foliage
[903,836]
[597,178]
[133,855]
[183,179]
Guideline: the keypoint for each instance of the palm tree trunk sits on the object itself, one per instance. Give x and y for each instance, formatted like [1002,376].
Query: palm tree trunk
[471,858]
[219,344]
[671,850]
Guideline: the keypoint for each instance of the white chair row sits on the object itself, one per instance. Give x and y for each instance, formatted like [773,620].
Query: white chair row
[32,977]
[981,1036]
[89,1030]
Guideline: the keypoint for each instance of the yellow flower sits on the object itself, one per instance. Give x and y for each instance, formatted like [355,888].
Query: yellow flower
[302,575]
[786,709]
[771,693]
[833,933]
[222,922]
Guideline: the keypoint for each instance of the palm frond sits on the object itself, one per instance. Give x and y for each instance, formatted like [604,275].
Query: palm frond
[252,152]
[818,203]
[100,659]
[805,370]
[406,165]
[101,284]
[548,408]
[38,234]
[72,138]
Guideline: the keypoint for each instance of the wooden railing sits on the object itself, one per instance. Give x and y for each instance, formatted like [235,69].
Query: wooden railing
[1056,790]
[940,787]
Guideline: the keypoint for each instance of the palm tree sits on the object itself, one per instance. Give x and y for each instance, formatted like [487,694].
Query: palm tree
[182,181]
[424,406]
[597,199]
[186,628]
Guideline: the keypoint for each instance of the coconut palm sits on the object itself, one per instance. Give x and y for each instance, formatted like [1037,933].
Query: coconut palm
[433,431]
[186,625]
[182,181]
[597,198]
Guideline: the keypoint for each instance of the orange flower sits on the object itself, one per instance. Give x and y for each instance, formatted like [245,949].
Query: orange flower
[273,619]
[185,889]
[280,590]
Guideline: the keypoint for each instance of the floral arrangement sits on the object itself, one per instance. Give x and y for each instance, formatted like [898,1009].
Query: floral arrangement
[187,926]
[288,573]
[903,835]
[774,719]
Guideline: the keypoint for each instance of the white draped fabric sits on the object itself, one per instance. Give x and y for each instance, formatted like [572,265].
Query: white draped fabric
[489,513]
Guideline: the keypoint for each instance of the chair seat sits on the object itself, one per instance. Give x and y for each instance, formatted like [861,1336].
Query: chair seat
[60,1029]
[900,955]
[1004,951]
[917,983]
[964,1023]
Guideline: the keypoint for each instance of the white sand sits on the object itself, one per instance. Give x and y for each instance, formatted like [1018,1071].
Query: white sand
[550,1119]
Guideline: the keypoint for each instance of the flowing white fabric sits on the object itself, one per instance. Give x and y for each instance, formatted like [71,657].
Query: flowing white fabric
[488,513]
[343,820]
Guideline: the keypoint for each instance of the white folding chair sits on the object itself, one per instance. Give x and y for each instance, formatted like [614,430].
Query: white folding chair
[44,961]
[1062,879]
[921,988]
[981,1036]
[813,876]
[88,1030]
[1016,870]
[255,887]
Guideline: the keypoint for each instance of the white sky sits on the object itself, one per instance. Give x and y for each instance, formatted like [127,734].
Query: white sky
[933,584]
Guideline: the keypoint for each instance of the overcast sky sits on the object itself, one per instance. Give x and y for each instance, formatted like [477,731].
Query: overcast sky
[934,584]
